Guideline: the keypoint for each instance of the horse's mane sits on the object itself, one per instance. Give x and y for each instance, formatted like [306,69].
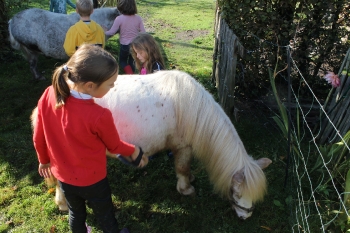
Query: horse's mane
[214,140]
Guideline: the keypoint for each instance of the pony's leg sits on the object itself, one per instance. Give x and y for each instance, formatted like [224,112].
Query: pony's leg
[32,58]
[183,159]
[60,199]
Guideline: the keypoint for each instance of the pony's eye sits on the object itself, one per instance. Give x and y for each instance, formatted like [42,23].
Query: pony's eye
[237,195]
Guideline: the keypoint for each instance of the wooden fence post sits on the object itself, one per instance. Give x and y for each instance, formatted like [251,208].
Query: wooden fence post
[226,49]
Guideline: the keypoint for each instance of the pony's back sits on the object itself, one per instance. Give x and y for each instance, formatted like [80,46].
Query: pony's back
[142,110]
[44,32]
[41,31]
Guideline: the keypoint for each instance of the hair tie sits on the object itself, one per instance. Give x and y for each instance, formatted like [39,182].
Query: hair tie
[65,67]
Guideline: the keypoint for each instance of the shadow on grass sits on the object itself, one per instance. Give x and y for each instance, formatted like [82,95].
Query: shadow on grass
[20,93]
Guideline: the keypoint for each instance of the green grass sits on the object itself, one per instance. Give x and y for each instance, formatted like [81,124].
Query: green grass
[146,200]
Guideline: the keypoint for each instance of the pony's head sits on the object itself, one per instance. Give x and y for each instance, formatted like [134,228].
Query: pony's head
[245,191]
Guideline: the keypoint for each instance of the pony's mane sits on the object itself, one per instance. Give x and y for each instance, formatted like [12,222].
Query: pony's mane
[214,140]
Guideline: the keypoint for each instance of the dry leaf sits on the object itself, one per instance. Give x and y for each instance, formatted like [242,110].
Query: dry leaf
[51,190]
[53,229]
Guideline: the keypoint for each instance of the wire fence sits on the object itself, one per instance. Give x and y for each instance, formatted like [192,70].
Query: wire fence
[319,200]
[317,174]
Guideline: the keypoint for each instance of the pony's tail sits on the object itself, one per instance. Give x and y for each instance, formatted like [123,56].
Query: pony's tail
[13,41]
[34,117]
[51,181]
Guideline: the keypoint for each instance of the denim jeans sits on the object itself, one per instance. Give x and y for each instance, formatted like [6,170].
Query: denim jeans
[98,197]
[125,58]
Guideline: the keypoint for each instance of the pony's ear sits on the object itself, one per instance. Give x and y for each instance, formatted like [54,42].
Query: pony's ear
[263,162]
[238,177]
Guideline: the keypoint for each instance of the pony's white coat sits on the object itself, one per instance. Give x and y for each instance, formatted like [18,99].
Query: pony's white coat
[171,110]
[36,31]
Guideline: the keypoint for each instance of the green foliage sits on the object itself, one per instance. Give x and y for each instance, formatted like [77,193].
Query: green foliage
[282,120]
[343,220]
[336,159]
[335,156]
[315,30]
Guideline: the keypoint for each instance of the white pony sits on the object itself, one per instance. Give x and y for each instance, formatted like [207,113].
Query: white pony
[36,31]
[171,110]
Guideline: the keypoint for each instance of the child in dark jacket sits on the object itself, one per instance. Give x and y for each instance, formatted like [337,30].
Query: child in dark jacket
[60,6]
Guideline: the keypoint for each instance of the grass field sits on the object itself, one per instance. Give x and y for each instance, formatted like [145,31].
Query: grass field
[146,200]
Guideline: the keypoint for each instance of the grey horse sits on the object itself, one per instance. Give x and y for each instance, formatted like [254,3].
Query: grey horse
[36,31]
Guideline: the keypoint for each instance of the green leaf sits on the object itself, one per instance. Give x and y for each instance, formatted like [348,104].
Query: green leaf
[277,203]
[280,125]
[347,190]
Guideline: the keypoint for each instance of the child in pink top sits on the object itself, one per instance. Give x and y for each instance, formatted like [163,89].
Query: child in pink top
[72,135]
[128,24]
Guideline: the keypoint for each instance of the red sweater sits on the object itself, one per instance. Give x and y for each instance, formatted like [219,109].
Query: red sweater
[74,139]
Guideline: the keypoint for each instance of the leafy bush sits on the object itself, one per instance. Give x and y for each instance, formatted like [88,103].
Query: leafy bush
[316,31]
[7,7]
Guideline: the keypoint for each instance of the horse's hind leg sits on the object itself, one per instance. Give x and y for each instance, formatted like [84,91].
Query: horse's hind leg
[60,199]
[183,159]
[32,58]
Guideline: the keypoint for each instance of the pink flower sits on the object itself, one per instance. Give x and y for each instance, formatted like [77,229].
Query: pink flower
[332,79]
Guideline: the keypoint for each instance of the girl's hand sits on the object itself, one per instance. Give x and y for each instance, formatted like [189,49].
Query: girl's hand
[135,154]
[144,159]
[44,170]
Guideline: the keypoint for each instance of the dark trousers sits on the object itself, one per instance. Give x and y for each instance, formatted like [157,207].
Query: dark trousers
[125,58]
[98,197]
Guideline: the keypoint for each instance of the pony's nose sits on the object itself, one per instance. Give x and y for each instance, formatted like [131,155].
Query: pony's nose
[241,214]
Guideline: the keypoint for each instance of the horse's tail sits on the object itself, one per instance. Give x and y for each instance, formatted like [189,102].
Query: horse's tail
[33,117]
[13,41]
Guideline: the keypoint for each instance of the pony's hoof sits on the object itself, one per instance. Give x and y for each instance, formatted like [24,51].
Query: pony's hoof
[190,191]
[63,208]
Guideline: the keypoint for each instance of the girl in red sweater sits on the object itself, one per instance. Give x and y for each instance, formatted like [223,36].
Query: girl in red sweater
[72,134]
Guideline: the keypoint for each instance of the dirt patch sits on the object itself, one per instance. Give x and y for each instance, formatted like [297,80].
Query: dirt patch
[190,34]
[154,25]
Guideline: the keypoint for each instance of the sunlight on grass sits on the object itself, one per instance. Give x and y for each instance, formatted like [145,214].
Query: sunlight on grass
[188,44]
[167,208]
